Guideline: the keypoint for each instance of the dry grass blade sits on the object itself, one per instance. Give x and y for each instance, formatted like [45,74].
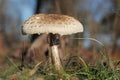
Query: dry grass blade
[34,69]
[83,62]
[12,62]
[92,40]
[40,78]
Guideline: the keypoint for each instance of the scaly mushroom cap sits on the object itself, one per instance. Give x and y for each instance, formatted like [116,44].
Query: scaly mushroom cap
[52,23]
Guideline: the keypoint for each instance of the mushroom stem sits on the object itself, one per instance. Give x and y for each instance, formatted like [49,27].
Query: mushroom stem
[53,40]
[56,58]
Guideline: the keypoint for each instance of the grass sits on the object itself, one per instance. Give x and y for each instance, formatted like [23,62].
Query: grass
[74,70]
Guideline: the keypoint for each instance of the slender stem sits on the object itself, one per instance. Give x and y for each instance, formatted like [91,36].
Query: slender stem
[56,58]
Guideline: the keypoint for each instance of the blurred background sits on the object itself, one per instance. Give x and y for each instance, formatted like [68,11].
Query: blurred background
[100,18]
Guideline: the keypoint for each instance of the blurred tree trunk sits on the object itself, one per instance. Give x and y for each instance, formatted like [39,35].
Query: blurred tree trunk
[67,7]
[93,29]
[57,6]
[2,24]
[2,28]
[38,6]
[116,27]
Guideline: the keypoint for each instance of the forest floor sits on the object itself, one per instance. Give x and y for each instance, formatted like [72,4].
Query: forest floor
[83,67]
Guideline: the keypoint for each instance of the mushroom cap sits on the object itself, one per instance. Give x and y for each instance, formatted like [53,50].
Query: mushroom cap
[51,23]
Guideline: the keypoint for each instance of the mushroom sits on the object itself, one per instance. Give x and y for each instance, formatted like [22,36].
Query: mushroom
[55,25]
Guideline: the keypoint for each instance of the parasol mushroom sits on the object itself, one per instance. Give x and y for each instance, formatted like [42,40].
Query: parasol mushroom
[55,25]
